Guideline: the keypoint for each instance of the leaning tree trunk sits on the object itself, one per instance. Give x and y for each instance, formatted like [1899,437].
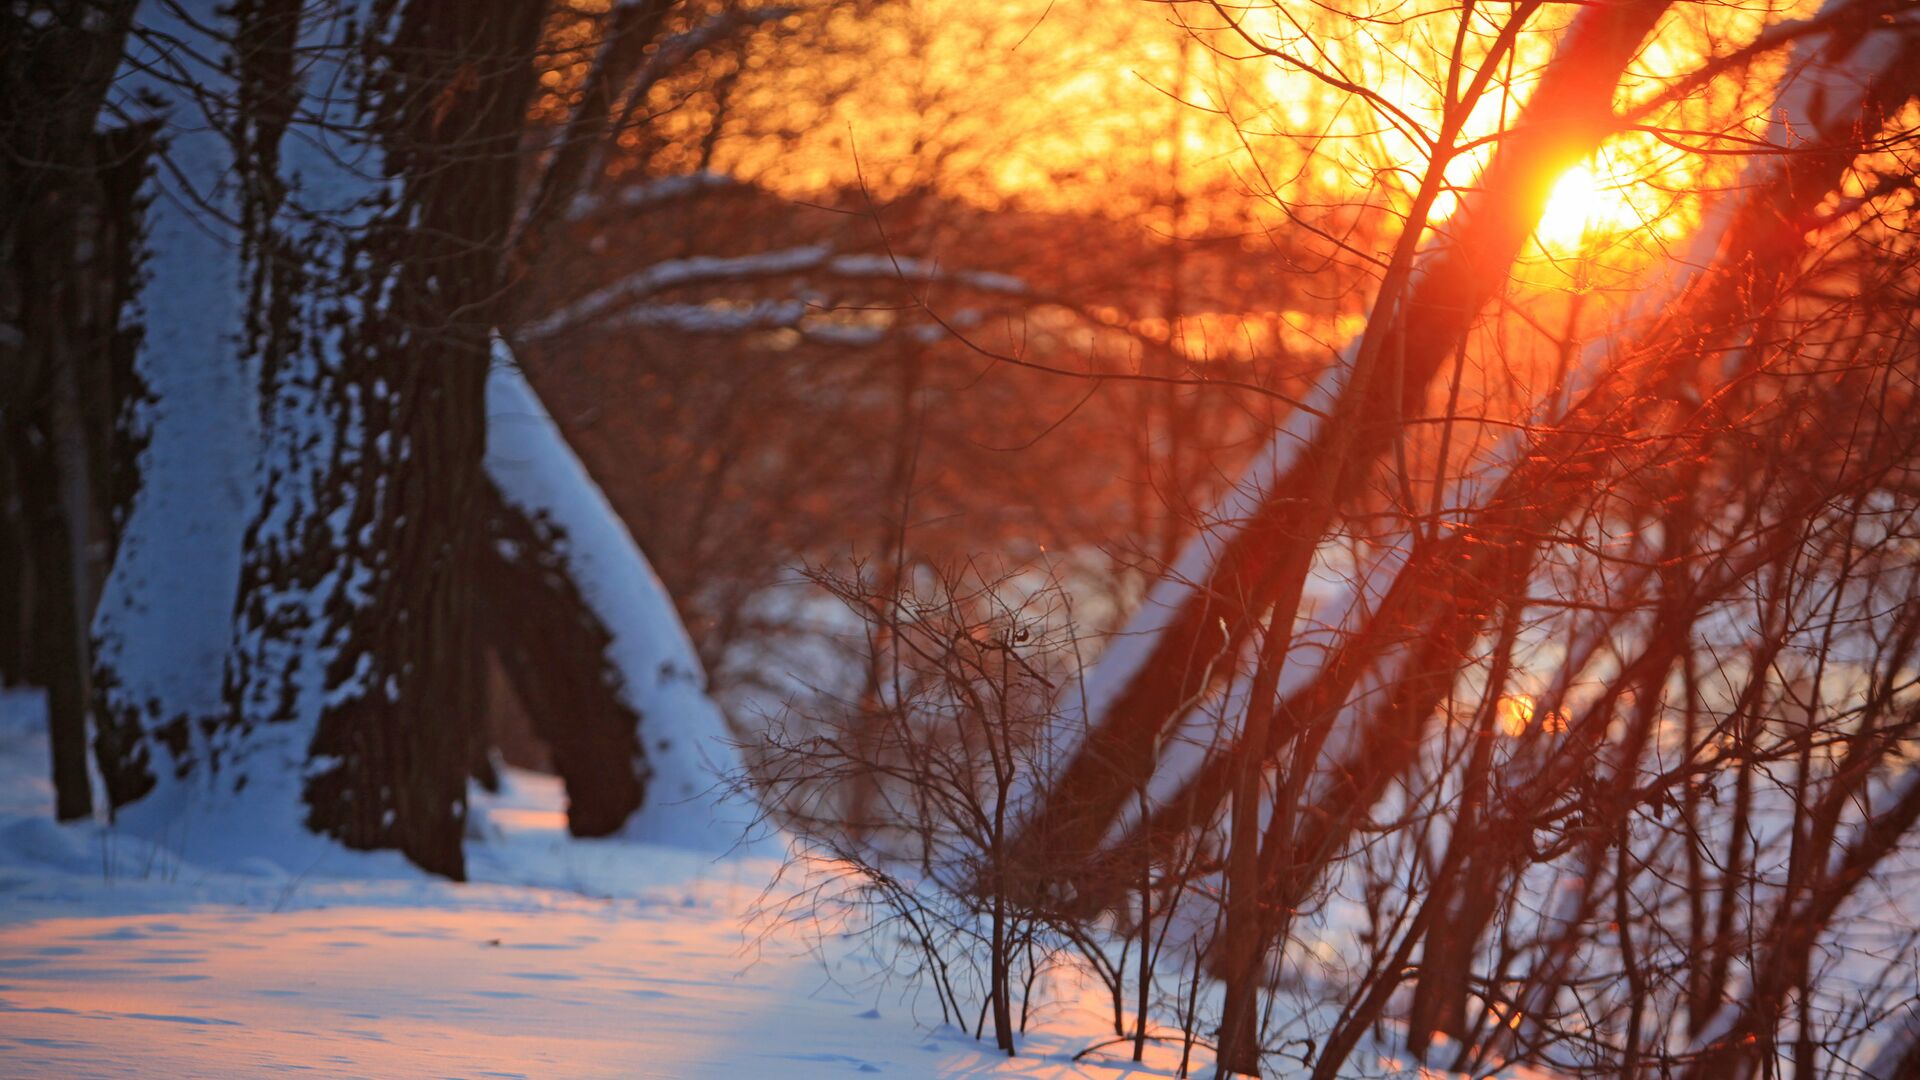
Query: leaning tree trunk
[634,678]
[553,648]
[594,653]
[1418,322]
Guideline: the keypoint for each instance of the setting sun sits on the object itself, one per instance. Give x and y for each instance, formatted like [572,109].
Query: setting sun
[1513,715]
[1582,207]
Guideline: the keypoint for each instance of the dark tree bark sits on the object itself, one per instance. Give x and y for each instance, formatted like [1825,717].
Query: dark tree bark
[16,565]
[277,268]
[63,275]
[397,742]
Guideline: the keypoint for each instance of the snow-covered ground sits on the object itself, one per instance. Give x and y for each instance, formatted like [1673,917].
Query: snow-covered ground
[563,958]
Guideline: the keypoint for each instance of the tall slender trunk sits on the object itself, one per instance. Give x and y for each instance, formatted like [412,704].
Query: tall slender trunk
[57,306]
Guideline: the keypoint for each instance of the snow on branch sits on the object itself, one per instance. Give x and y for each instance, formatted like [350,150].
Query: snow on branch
[619,302]
[652,194]
[675,273]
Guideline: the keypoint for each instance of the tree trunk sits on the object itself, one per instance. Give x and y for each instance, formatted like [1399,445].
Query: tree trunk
[408,682]
[58,307]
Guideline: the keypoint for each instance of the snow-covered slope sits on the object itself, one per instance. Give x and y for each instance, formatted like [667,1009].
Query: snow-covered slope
[564,958]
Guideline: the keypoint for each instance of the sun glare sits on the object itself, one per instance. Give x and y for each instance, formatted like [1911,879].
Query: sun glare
[1582,208]
[1512,714]
[1573,206]
[1515,712]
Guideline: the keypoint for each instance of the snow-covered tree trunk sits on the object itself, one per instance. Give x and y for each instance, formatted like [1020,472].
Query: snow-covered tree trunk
[295,619]
[357,612]
[164,621]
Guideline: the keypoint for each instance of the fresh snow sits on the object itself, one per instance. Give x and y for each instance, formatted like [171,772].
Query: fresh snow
[165,616]
[562,958]
[651,194]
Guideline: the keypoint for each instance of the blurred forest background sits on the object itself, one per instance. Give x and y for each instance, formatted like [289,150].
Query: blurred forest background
[1337,517]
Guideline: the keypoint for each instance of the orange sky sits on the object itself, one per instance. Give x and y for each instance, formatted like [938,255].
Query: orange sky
[1072,104]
